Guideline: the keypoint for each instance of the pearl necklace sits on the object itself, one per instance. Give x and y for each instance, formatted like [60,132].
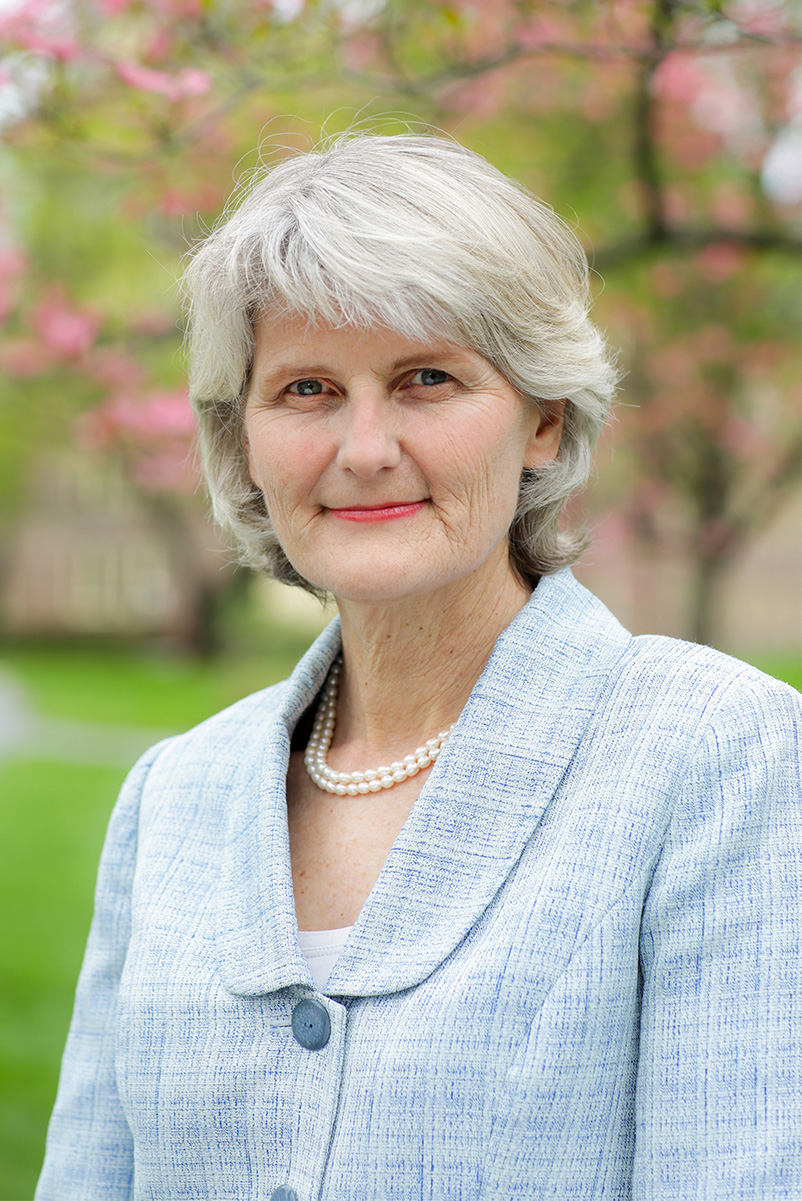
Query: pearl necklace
[355,783]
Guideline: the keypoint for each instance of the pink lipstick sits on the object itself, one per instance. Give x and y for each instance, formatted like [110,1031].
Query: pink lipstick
[378,512]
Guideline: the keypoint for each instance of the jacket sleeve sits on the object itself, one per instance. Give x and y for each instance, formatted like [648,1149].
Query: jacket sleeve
[89,1150]
[720,1066]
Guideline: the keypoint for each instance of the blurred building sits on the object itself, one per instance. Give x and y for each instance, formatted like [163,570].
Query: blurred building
[89,555]
[759,604]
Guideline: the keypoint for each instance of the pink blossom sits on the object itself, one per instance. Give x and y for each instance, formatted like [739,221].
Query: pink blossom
[714,343]
[169,469]
[188,82]
[744,438]
[171,9]
[8,300]
[12,262]
[103,425]
[168,415]
[361,50]
[677,205]
[160,45]
[145,78]
[153,322]
[483,97]
[721,260]
[193,82]
[732,204]
[113,8]
[115,369]
[763,357]
[768,20]
[40,26]
[724,107]
[666,280]
[679,77]
[177,10]
[24,357]
[154,432]
[63,49]
[66,330]
[611,531]
[649,497]
[146,419]
[173,202]
[539,32]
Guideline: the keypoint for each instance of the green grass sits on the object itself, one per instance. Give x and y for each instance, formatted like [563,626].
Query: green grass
[53,817]
[52,821]
[787,668]
[156,691]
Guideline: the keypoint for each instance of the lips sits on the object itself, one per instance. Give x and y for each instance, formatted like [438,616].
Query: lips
[389,511]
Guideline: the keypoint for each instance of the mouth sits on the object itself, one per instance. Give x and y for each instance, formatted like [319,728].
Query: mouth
[385,512]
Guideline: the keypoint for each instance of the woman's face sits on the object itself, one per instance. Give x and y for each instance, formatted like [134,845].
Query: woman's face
[389,468]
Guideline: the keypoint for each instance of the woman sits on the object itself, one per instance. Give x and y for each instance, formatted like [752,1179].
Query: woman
[489,899]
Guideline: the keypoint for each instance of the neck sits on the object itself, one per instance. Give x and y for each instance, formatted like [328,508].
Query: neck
[410,666]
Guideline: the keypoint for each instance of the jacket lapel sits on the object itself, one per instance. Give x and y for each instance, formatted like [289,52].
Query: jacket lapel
[469,826]
[487,791]
[256,928]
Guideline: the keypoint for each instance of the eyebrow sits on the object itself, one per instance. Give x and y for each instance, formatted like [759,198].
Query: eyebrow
[311,370]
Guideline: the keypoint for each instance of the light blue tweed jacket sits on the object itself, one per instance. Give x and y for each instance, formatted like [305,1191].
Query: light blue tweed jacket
[578,975]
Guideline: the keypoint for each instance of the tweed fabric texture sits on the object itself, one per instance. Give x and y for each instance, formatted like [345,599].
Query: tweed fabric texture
[578,975]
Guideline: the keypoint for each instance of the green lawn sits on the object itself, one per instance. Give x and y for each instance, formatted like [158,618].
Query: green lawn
[168,692]
[783,667]
[52,820]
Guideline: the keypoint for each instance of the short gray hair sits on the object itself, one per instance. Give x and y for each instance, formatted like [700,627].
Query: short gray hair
[422,236]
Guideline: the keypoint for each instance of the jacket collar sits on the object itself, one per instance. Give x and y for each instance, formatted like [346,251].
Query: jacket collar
[484,798]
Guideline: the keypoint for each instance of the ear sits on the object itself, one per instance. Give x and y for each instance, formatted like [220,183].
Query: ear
[546,434]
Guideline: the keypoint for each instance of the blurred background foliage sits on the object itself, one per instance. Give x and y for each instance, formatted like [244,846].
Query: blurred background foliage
[667,131]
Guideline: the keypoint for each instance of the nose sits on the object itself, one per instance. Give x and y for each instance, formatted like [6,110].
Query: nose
[368,443]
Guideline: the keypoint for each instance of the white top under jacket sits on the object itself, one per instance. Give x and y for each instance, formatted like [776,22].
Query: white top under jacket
[320,949]
[578,976]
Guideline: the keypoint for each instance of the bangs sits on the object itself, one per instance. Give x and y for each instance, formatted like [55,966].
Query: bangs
[333,271]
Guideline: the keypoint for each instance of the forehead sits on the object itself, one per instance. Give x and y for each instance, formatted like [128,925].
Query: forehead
[290,338]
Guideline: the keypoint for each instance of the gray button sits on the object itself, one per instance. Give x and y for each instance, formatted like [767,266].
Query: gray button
[284,1193]
[310,1024]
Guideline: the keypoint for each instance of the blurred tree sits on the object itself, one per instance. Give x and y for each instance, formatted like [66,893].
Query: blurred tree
[669,126]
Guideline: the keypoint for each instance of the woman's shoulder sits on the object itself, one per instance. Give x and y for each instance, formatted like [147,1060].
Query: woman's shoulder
[651,677]
[224,742]
[256,707]
[708,694]
[666,662]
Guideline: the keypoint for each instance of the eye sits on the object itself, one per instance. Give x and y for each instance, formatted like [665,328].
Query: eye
[306,387]
[429,377]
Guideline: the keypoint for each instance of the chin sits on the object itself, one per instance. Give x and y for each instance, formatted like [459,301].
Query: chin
[377,592]
[375,583]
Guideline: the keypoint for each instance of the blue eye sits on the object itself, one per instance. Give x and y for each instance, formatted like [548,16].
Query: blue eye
[306,387]
[430,376]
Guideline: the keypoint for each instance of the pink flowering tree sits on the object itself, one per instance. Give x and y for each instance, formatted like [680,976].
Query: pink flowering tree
[667,130]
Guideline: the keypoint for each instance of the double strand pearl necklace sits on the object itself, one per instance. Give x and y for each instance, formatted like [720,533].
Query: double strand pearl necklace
[354,783]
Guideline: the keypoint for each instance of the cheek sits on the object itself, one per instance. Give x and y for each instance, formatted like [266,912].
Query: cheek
[485,470]
[280,459]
